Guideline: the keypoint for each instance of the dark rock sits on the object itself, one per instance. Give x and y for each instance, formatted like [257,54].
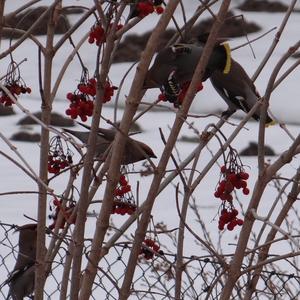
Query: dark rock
[263,6]
[24,136]
[130,49]
[56,120]
[6,110]
[232,27]
[25,19]
[132,46]
[252,150]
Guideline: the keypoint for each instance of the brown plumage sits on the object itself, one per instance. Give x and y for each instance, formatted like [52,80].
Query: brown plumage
[21,280]
[134,150]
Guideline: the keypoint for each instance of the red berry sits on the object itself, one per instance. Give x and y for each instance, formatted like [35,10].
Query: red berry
[223,196]
[119,26]
[91,39]
[82,88]
[56,202]
[122,211]
[149,242]
[228,187]
[239,222]
[125,189]
[232,178]
[123,181]
[229,197]
[159,10]
[155,247]
[68,112]
[238,184]
[221,225]
[244,175]
[222,185]
[83,118]
[230,226]
[235,212]
[118,192]
[223,169]
[217,194]
[243,184]
[246,191]
[162,97]
[224,211]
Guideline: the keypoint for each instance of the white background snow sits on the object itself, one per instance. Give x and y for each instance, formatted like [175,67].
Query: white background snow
[284,104]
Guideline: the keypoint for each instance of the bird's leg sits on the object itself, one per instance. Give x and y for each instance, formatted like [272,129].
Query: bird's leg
[227,113]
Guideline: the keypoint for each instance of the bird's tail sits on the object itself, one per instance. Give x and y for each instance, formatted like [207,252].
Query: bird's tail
[269,120]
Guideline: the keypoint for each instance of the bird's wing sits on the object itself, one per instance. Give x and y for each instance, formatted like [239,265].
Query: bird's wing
[16,273]
[233,100]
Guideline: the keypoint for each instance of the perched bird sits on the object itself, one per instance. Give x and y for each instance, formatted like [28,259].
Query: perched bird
[134,150]
[238,90]
[174,66]
[21,280]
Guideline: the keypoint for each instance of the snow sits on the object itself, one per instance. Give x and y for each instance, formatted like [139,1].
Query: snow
[284,104]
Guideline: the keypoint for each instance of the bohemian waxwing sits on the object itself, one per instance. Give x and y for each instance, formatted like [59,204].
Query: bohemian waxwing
[21,279]
[134,150]
[238,90]
[174,66]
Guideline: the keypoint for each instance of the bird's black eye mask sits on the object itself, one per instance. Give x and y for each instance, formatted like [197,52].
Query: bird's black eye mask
[181,49]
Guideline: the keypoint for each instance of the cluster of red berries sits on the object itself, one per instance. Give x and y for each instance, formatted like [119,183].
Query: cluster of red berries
[16,89]
[145,8]
[181,95]
[184,89]
[82,104]
[231,180]
[67,212]
[123,208]
[14,83]
[148,244]
[232,177]
[82,99]
[108,91]
[123,199]
[88,87]
[97,34]
[229,217]
[57,159]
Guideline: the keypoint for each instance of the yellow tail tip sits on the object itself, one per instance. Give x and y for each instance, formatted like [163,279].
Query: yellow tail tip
[228,58]
[272,123]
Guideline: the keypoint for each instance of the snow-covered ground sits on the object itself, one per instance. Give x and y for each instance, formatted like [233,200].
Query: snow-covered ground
[285,105]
